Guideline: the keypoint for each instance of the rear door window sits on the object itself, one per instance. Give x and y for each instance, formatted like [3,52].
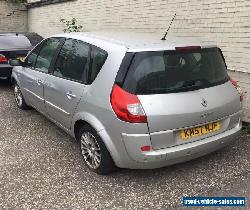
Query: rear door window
[175,71]
[98,58]
[72,61]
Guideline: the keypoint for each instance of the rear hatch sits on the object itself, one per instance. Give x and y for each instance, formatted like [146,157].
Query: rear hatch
[185,93]
[12,54]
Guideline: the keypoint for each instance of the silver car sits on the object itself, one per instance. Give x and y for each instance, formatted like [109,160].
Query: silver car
[132,100]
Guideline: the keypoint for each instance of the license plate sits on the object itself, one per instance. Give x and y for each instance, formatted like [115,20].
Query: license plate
[190,133]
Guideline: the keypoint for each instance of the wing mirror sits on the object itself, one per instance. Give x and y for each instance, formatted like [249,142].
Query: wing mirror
[16,62]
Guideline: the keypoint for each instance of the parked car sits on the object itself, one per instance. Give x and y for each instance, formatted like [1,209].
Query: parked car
[132,100]
[15,45]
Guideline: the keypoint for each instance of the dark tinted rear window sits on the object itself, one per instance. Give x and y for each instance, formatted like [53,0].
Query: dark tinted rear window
[72,61]
[175,71]
[98,58]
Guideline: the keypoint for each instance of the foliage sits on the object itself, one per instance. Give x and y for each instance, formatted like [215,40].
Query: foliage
[71,25]
[16,1]
[246,128]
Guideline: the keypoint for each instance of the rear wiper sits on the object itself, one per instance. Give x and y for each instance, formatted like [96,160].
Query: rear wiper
[190,87]
[191,83]
[174,90]
[187,86]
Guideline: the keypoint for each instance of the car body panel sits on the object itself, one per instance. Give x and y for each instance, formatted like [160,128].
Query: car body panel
[136,42]
[167,113]
[170,138]
[180,110]
[178,154]
[61,99]
[32,83]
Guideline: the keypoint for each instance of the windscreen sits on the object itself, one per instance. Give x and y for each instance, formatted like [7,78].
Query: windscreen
[162,72]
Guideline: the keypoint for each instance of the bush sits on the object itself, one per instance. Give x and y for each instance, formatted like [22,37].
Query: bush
[246,127]
[71,26]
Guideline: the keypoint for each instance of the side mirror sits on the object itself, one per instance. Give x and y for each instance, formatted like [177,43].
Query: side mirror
[16,62]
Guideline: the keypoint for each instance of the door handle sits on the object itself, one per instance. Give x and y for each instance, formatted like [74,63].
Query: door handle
[39,82]
[70,95]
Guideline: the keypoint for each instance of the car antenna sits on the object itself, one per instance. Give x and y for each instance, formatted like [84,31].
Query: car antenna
[164,38]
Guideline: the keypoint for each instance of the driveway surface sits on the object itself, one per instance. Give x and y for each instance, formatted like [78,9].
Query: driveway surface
[41,168]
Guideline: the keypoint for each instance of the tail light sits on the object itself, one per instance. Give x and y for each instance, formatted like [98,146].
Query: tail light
[3,59]
[145,148]
[235,84]
[127,106]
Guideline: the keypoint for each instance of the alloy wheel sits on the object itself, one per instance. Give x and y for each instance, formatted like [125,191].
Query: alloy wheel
[18,95]
[90,150]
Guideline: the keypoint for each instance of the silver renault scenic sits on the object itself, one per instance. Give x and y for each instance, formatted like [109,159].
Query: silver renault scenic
[132,100]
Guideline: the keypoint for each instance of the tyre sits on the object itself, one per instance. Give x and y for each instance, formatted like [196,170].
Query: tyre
[94,152]
[19,97]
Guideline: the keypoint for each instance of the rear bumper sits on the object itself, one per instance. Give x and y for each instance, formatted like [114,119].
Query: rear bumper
[5,70]
[168,156]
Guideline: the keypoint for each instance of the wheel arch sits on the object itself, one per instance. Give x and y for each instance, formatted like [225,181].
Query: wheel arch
[14,78]
[82,119]
[89,119]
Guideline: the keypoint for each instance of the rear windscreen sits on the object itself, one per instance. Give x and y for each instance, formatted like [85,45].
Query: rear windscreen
[34,38]
[174,71]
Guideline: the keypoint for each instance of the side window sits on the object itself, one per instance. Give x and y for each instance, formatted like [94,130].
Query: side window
[98,58]
[46,54]
[31,60]
[72,61]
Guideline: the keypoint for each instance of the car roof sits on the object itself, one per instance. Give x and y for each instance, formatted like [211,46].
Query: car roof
[137,41]
[13,41]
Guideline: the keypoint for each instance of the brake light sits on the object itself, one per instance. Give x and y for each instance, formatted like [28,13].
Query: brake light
[235,84]
[3,59]
[127,106]
[188,48]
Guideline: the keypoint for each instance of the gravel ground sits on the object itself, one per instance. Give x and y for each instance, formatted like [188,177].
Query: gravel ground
[41,168]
